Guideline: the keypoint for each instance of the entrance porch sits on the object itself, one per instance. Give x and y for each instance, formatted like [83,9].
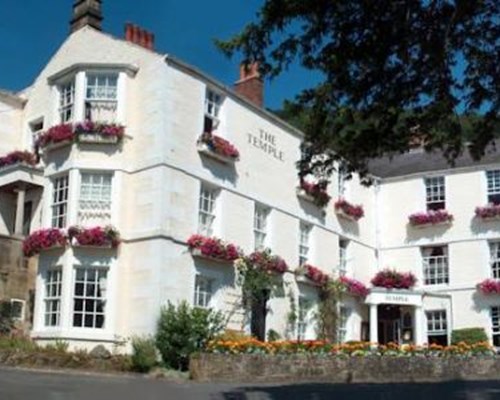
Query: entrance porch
[396,316]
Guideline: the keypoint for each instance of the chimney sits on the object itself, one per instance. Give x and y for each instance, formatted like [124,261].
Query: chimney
[86,12]
[250,84]
[140,36]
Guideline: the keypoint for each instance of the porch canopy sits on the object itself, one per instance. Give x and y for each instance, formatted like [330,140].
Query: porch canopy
[397,297]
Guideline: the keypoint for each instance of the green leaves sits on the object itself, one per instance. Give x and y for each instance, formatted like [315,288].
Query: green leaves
[390,69]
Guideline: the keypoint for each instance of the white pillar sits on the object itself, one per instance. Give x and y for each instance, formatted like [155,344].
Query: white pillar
[373,323]
[21,195]
[419,322]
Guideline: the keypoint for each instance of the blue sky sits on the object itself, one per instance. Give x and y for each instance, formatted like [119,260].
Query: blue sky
[32,30]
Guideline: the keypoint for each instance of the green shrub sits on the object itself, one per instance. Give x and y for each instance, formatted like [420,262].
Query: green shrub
[468,335]
[144,354]
[273,336]
[184,330]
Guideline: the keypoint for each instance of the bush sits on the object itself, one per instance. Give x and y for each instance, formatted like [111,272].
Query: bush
[184,330]
[468,335]
[273,336]
[144,354]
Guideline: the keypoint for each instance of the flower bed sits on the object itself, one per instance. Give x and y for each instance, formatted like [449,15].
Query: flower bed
[489,286]
[314,274]
[355,349]
[98,236]
[218,146]
[43,239]
[317,192]
[348,210]
[491,211]
[353,286]
[430,218]
[391,279]
[68,133]
[18,157]
[213,248]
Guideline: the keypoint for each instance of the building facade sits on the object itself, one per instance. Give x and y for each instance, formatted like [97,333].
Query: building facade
[159,184]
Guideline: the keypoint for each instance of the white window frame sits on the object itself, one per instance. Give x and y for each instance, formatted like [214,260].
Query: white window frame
[96,195]
[67,101]
[494,259]
[207,209]
[52,297]
[260,226]
[22,315]
[212,108]
[437,322]
[203,291]
[60,201]
[436,269]
[343,256]
[304,307]
[343,325]
[99,283]
[493,186]
[435,193]
[305,230]
[107,93]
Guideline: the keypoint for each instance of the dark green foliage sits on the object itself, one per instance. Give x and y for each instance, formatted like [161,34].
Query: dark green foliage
[389,71]
[468,335]
[144,354]
[273,336]
[6,321]
[183,330]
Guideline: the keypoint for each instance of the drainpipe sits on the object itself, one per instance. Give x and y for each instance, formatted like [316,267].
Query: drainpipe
[376,186]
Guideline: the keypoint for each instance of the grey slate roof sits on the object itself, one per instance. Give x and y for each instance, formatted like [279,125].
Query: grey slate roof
[421,162]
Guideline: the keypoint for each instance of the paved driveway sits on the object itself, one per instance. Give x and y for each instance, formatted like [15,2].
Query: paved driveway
[27,385]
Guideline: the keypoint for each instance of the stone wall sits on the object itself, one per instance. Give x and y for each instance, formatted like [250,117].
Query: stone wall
[313,368]
[17,274]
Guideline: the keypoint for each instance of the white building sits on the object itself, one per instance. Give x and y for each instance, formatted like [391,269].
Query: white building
[157,187]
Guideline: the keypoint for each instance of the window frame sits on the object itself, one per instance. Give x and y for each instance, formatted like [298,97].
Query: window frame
[433,322]
[207,215]
[494,259]
[49,283]
[304,307]
[305,230]
[260,226]
[22,314]
[66,100]
[59,219]
[434,273]
[343,325]
[495,325]
[84,297]
[435,193]
[343,256]
[493,186]
[212,107]
[203,298]
[102,205]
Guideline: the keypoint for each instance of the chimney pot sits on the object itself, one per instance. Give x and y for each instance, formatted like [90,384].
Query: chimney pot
[138,35]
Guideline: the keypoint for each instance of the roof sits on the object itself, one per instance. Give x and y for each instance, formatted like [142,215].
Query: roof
[10,96]
[420,161]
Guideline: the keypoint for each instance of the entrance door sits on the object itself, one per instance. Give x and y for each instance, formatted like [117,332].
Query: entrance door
[389,324]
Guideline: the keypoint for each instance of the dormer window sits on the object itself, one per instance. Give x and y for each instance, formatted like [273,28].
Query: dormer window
[213,102]
[101,97]
[67,101]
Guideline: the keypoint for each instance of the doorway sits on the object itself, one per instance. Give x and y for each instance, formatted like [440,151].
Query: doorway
[389,324]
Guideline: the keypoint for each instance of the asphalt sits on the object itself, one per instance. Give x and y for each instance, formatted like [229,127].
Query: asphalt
[29,384]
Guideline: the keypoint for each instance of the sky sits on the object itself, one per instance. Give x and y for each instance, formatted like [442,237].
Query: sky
[32,31]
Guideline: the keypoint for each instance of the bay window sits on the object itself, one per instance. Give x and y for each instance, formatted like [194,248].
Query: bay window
[67,101]
[101,97]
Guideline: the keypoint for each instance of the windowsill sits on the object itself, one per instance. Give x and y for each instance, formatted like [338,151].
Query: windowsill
[444,224]
[74,334]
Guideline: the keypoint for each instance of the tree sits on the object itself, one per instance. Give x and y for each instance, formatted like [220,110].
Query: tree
[392,70]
